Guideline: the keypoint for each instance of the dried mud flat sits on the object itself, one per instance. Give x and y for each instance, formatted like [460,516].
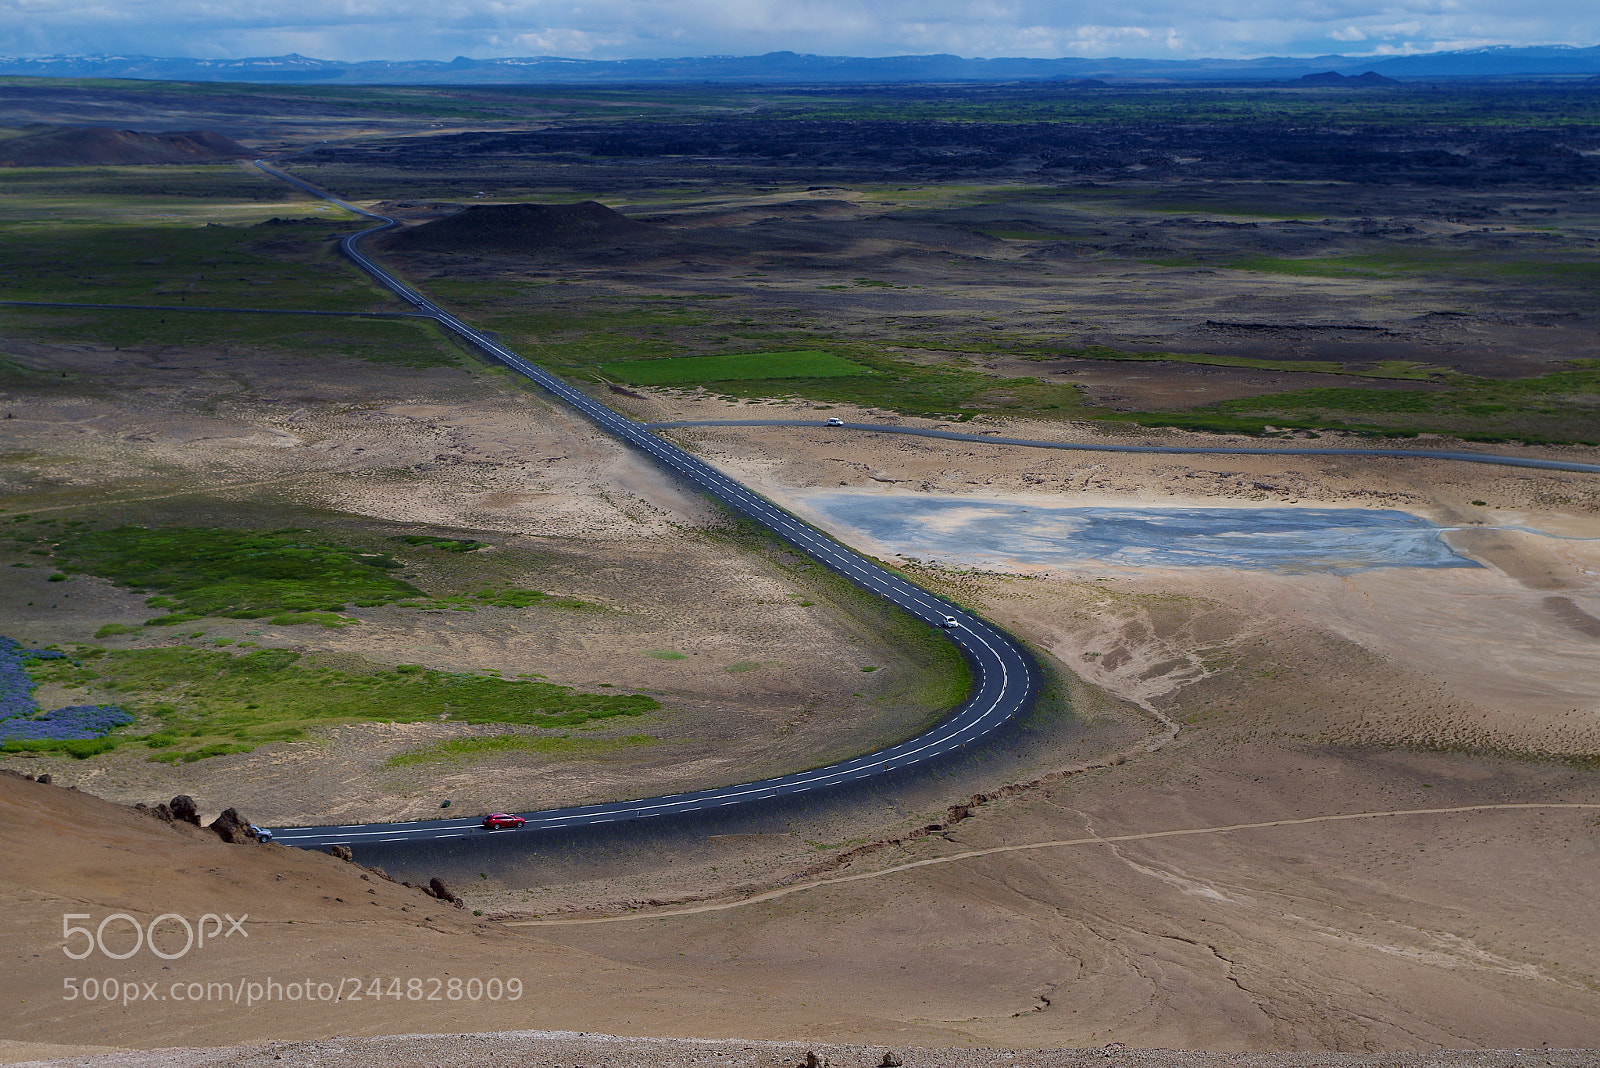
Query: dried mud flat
[1497,657]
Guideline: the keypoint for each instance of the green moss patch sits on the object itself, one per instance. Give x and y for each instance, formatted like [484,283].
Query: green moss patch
[1560,407]
[690,370]
[509,597]
[462,750]
[399,342]
[279,266]
[206,571]
[208,702]
[449,545]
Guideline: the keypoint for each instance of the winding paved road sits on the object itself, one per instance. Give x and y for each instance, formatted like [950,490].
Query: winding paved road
[1006,679]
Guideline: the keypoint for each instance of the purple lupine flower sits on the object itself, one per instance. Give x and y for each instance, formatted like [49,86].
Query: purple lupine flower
[20,719]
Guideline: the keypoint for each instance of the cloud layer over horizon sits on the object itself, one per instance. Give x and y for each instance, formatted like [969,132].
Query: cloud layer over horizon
[658,29]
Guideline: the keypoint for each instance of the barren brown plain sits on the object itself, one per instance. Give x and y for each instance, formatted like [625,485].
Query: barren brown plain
[1256,810]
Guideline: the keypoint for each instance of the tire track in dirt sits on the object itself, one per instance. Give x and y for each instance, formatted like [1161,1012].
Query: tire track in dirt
[795,888]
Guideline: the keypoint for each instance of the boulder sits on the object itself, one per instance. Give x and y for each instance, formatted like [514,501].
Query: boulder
[184,809]
[341,852]
[233,828]
[441,890]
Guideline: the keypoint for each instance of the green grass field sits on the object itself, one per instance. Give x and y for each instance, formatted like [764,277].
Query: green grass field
[195,703]
[202,571]
[465,750]
[1558,408]
[1401,370]
[288,577]
[746,366]
[265,266]
[401,342]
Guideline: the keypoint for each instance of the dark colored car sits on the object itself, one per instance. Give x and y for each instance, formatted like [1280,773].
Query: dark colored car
[499,821]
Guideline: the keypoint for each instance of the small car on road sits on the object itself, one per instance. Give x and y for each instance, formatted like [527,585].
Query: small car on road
[500,821]
[835,421]
[949,621]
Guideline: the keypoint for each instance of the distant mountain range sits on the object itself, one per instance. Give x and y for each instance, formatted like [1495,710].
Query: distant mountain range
[793,68]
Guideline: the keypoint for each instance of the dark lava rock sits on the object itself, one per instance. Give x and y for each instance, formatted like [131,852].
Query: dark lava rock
[233,828]
[524,228]
[184,810]
[441,890]
[341,852]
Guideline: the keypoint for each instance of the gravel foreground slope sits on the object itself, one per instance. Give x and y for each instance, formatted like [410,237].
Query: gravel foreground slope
[567,1049]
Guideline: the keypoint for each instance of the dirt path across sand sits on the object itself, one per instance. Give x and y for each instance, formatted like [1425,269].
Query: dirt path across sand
[970,854]
[1177,450]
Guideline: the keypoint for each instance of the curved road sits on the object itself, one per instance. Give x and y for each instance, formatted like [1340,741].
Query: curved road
[1005,676]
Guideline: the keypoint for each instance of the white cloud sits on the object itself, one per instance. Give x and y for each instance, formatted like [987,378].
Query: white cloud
[612,29]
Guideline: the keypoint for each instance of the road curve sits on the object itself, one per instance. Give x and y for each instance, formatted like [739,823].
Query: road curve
[1006,679]
[991,439]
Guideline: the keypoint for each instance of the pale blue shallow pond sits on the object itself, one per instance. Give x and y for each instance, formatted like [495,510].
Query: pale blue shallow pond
[1009,532]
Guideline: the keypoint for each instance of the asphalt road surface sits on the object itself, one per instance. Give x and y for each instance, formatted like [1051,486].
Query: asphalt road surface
[1006,679]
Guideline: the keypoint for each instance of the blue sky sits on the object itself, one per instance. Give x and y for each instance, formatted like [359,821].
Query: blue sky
[620,29]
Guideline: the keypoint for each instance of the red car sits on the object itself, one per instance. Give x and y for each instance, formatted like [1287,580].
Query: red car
[499,821]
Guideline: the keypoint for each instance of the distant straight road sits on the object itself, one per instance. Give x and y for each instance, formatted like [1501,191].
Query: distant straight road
[1226,450]
[1005,677]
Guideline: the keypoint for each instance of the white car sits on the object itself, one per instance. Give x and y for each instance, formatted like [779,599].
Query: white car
[835,421]
[949,621]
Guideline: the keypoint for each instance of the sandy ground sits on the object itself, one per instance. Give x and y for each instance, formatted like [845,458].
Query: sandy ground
[1248,707]
[561,1048]
[1499,657]
[769,677]
[1421,930]
[1245,707]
